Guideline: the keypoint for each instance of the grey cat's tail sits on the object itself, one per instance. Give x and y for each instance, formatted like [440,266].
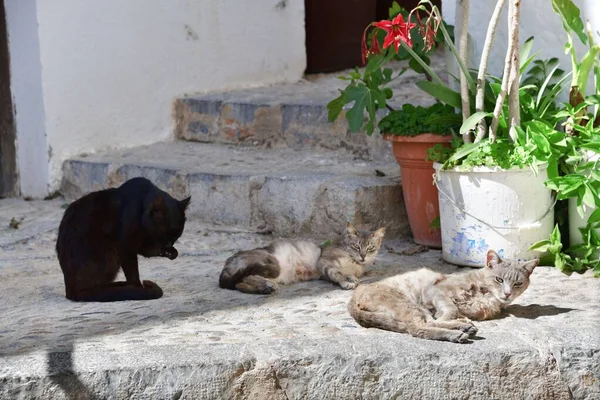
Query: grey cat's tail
[247,263]
[376,319]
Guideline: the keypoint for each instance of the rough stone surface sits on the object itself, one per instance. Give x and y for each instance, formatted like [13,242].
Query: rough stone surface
[290,115]
[285,191]
[201,342]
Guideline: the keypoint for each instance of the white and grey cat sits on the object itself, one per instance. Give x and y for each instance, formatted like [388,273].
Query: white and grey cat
[262,270]
[430,305]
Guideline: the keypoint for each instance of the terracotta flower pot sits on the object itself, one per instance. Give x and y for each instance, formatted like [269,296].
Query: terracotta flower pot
[420,194]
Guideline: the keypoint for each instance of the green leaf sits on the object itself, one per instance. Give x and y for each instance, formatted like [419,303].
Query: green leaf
[585,66]
[593,146]
[542,246]
[569,13]
[525,49]
[435,224]
[465,150]
[543,87]
[394,10]
[441,92]
[361,96]
[473,120]
[334,107]
[589,197]
[594,217]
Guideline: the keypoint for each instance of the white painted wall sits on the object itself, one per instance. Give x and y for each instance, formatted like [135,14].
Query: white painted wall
[110,69]
[537,19]
[26,88]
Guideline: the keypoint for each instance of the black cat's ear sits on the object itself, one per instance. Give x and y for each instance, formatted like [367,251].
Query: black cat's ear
[529,266]
[183,204]
[378,234]
[350,229]
[492,259]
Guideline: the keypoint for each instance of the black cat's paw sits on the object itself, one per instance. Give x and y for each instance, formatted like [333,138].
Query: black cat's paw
[170,252]
[154,288]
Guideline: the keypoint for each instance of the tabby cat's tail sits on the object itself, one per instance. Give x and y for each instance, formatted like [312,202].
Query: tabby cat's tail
[248,263]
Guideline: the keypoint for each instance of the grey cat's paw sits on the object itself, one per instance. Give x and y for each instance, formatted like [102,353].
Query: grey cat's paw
[350,283]
[459,337]
[469,329]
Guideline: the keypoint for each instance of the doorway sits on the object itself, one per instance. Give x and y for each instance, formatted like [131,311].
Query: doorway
[8,153]
[334,30]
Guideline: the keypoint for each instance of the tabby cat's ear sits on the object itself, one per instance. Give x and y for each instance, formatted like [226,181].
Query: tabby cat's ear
[378,234]
[530,265]
[350,229]
[183,204]
[492,259]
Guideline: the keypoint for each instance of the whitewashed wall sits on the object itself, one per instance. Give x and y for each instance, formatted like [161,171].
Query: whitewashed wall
[537,19]
[110,69]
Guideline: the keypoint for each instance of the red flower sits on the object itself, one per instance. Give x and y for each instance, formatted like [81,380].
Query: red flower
[397,30]
[374,49]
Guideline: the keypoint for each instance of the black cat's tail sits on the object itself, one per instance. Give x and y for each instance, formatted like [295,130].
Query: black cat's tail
[246,263]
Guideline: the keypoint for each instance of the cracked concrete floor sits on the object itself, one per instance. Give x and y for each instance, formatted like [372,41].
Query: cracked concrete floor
[199,341]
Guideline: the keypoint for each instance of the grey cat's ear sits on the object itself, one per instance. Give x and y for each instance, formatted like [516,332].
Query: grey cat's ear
[185,203]
[378,234]
[530,265]
[492,259]
[351,230]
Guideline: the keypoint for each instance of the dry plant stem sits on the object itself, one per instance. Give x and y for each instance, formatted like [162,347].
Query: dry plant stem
[462,49]
[485,55]
[514,112]
[505,75]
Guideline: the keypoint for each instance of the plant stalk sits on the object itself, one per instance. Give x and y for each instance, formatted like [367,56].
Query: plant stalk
[514,111]
[485,55]
[463,49]
[505,76]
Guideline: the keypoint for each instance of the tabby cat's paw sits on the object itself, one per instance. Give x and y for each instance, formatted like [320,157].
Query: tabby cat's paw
[268,287]
[469,329]
[154,288]
[350,283]
[459,337]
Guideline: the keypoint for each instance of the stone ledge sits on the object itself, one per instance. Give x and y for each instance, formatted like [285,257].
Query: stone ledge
[283,191]
[202,342]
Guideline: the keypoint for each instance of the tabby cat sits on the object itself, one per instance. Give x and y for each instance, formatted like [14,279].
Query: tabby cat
[262,270]
[430,305]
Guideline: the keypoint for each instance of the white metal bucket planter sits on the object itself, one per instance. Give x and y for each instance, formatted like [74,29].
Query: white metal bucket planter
[491,208]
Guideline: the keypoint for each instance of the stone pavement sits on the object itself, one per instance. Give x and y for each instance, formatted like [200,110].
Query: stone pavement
[201,342]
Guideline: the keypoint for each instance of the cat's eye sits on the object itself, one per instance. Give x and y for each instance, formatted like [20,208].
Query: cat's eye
[518,284]
[370,249]
[355,247]
[499,280]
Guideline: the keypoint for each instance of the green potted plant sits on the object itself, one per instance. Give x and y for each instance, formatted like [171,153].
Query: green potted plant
[491,185]
[412,130]
[578,180]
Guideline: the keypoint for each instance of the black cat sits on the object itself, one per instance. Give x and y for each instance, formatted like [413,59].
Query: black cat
[106,230]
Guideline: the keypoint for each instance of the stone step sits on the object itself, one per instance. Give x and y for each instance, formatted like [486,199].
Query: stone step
[289,115]
[283,191]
